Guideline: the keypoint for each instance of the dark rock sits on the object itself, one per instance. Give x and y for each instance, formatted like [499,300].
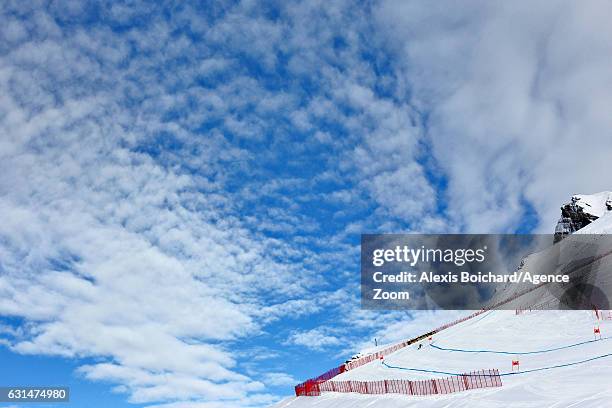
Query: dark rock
[572,219]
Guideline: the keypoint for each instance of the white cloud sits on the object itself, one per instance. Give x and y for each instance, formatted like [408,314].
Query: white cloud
[279,379]
[517,95]
[314,339]
[109,253]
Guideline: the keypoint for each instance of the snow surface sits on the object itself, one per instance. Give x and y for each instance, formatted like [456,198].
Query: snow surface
[586,384]
[583,385]
[594,204]
[601,226]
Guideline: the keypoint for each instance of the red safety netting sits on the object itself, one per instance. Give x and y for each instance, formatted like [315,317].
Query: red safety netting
[457,383]
[306,388]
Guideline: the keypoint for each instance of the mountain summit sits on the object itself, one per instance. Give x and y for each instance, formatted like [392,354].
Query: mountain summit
[581,211]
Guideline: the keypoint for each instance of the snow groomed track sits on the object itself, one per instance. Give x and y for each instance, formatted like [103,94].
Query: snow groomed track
[501,374]
[520,352]
[514,353]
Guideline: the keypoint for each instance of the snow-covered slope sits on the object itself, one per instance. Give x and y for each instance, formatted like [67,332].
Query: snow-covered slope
[602,226]
[595,204]
[555,344]
[585,384]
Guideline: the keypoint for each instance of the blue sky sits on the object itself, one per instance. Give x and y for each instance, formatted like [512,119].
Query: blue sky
[183,186]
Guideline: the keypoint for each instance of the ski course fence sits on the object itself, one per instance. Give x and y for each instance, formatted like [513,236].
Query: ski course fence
[307,388]
[448,385]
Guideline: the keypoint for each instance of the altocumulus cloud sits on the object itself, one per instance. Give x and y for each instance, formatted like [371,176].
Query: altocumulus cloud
[129,233]
[166,172]
[314,339]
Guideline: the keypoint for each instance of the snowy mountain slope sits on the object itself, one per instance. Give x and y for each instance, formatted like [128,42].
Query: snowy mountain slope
[595,204]
[554,344]
[586,259]
[602,226]
[496,331]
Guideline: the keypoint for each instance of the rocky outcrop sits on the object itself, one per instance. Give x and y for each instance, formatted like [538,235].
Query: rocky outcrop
[581,211]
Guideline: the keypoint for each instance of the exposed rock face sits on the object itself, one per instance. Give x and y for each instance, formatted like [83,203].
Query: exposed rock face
[581,211]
